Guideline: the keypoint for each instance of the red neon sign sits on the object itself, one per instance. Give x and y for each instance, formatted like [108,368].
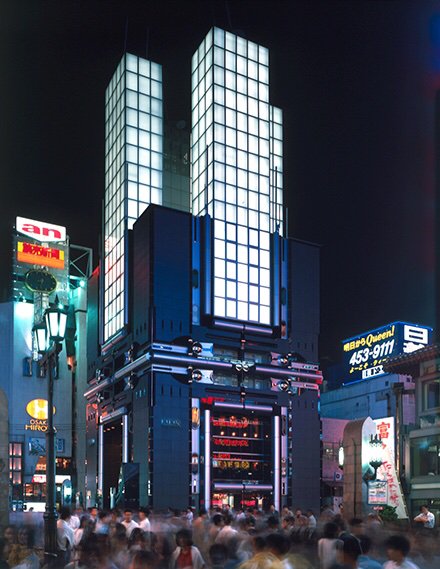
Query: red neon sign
[231,442]
[38,255]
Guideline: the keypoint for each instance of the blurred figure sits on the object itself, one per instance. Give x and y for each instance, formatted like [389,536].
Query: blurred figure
[22,554]
[103,522]
[311,520]
[3,562]
[186,554]
[278,544]
[137,541]
[425,518]
[218,556]
[227,532]
[398,547]
[349,551]
[144,522]
[364,561]
[356,526]
[65,537]
[119,546]
[128,521]
[10,537]
[144,560]
[328,546]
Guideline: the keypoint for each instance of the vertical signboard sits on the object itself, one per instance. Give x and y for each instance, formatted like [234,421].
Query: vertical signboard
[40,264]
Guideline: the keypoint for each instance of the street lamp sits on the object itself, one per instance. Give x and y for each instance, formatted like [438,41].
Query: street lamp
[49,335]
[375,453]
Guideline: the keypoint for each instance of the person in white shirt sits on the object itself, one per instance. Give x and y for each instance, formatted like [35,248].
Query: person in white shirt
[425,517]
[398,547]
[65,536]
[128,522]
[144,522]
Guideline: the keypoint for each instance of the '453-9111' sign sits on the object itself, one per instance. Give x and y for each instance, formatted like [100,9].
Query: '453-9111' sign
[364,354]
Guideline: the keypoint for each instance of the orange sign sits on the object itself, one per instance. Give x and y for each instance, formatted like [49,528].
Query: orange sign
[39,255]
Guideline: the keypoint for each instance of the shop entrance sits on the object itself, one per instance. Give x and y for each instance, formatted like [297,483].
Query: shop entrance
[113,459]
[242,500]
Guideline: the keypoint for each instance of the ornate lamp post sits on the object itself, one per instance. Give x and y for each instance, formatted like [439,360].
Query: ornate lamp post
[49,336]
[376,453]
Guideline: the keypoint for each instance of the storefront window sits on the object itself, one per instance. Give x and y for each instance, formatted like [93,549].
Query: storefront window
[425,459]
[431,394]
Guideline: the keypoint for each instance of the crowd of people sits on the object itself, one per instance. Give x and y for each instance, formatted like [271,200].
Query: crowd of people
[224,539]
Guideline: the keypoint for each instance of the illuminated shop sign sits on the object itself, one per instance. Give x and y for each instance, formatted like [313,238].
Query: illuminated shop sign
[365,354]
[40,230]
[37,409]
[33,254]
[241,448]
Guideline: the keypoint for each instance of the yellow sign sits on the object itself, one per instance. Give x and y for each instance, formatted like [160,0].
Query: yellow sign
[37,409]
[37,425]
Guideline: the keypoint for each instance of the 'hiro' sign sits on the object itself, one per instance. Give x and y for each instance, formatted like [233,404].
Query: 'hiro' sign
[40,230]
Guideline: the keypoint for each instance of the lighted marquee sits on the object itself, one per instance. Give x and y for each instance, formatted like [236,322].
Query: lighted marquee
[365,354]
[241,448]
[33,254]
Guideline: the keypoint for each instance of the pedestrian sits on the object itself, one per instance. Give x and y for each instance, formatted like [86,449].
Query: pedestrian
[398,547]
[328,546]
[425,517]
[65,537]
[186,554]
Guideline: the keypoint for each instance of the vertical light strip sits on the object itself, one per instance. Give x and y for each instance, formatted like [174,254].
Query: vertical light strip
[284,451]
[207,459]
[276,462]
[125,446]
[195,442]
[234,159]
[101,458]
[133,171]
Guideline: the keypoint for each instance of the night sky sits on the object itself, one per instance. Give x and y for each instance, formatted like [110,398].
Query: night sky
[356,80]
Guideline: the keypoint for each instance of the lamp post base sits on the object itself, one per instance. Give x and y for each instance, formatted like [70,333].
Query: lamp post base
[50,538]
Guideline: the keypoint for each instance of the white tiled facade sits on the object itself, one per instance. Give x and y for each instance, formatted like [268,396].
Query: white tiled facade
[133,170]
[237,173]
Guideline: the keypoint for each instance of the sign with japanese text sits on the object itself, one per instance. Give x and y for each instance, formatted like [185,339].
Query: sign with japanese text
[387,471]
[365,354]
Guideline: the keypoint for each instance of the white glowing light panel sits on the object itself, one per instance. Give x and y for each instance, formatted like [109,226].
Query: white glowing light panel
[237,174]
[133,170]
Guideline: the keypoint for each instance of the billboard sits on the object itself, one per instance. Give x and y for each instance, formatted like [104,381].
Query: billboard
[40,263]
[365,353]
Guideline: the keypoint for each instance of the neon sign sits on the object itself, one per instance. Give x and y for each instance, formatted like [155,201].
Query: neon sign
[231,442]
[39,255]
[234,422]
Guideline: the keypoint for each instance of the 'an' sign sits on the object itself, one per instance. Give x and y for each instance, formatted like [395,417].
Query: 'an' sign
[40,230]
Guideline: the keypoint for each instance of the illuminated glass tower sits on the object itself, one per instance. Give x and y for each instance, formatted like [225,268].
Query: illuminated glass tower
[133,172]
[237,170]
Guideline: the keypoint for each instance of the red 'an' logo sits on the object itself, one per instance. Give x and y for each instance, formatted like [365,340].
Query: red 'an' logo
[40,230]
[50,232]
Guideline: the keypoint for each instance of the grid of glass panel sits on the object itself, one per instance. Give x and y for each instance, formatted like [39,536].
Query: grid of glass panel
[133,169]
[236,163]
